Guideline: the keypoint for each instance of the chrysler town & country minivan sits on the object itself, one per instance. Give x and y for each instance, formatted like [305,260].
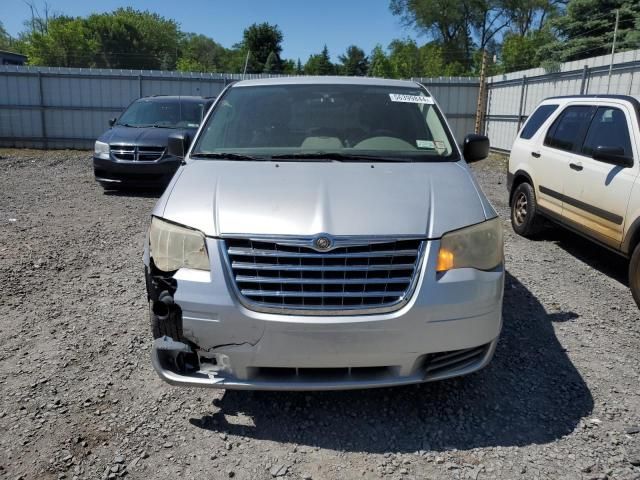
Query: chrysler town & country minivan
[323,233]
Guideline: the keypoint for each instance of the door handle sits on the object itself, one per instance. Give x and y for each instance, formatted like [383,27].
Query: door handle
[576,166]
[535,154]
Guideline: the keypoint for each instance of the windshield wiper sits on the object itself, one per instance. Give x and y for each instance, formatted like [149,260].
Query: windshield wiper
[345,157]
[226,156]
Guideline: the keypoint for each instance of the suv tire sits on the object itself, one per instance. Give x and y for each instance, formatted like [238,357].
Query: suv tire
[525,219]
[634,274]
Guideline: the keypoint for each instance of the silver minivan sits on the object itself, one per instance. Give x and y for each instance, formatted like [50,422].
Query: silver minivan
[323,233]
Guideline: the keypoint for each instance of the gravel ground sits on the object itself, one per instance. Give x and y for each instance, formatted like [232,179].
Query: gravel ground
[79,399]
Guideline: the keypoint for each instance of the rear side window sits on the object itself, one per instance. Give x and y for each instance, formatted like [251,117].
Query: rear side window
[536,120]
[568,129]
[608,129]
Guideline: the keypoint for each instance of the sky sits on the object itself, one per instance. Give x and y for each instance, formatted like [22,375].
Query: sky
[307,25]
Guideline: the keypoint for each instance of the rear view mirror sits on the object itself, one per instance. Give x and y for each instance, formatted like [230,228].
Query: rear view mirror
[179,144]
[475,147]
[112,121]
[613,155]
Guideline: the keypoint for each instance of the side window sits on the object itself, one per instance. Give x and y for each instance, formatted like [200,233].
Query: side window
[568,129]
[608,129]
[536,120]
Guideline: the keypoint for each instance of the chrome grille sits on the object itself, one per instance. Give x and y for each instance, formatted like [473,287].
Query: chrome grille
[279,276]
[133,153]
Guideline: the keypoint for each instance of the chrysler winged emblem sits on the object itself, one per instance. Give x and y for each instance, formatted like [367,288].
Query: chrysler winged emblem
[322,243]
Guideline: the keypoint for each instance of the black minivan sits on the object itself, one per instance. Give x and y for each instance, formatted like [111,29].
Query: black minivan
[133,152]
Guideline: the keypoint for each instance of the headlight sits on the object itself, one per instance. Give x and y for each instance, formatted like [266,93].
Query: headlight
[173,247]
[101,150]
[479,246]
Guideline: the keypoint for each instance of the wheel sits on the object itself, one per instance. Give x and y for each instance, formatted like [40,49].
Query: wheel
[525,219]
[165,321]
[634,274]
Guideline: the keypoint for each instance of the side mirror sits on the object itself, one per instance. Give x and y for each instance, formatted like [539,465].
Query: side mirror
[178,144]
[612,155]
[112,121]
[475,147]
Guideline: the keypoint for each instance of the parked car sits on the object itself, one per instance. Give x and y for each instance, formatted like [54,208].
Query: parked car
[574,162]
[133,152]
[324,233]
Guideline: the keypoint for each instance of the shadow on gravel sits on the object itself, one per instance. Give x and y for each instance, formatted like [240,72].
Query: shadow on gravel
[597,257]
[530,393]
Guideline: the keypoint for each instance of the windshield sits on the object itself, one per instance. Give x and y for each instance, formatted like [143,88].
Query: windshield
[162,113]
[341,121]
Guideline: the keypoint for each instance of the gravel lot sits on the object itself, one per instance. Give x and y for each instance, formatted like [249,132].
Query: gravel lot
[79,399]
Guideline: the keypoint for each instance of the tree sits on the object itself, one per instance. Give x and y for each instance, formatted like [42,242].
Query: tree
[380,65]
[5,39]
[64,42]
[405,59]
[130,38]
[299,68]
[520,52]
[200,53]
[320,64]
[586,29]
[272,65]
[261,40]
[354,62]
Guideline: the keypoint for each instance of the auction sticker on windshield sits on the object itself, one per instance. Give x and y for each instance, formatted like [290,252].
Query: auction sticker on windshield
[401,97]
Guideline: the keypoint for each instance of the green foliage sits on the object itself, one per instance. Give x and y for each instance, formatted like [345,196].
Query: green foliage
[522,52]
[262,40]
[66,42]
[354,62]
[272,65]
[199,53]
[380,65]
[586,30]
[5,39]
[320,64]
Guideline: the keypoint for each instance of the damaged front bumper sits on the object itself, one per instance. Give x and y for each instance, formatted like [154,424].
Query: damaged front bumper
[448,328]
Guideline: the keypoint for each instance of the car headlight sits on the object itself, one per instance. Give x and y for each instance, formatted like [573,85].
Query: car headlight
[173,247]
[101,150]
[478,246]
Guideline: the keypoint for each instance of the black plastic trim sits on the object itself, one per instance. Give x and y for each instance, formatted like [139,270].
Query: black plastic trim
[598,212]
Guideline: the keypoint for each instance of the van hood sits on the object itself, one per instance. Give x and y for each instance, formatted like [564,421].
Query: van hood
[142,136]
[338,198]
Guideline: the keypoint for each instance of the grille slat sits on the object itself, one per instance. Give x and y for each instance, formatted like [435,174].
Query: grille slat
[132,153]
[281,276]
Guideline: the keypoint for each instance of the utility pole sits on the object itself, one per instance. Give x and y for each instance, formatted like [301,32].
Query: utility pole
[613,48]
[481,93]
[246,62]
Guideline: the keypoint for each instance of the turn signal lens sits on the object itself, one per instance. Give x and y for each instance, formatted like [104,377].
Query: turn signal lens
[445,260]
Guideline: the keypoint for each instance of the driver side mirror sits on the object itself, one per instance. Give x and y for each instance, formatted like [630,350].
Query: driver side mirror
[475,147]
[612,155]
[112,121]
[178,144]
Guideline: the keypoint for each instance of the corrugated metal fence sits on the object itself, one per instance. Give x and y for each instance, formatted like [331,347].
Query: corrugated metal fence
[512,97]
[69,107]
[46,107]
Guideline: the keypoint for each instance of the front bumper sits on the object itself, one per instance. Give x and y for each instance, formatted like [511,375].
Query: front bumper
[131,173]
[448,328]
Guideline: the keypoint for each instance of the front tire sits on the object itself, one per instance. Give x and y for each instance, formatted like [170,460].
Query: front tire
[634,274]
[525,218]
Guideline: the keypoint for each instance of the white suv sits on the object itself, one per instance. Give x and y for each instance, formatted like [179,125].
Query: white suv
[575,161]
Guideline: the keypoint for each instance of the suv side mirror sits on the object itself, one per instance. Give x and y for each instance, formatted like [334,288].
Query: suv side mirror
[475,147]
[613,155]
[112,121]
[178,144]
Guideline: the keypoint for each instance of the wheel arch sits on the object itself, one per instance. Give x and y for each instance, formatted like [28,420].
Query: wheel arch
[632,238]
[520,176]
